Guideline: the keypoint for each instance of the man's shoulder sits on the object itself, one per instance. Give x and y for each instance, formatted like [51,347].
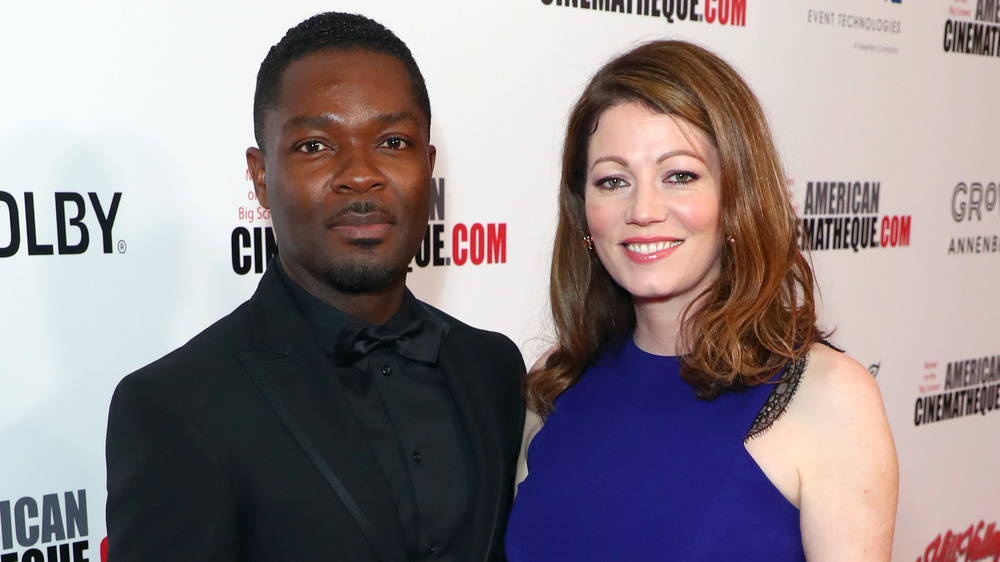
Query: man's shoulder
[476,336]
[212,349]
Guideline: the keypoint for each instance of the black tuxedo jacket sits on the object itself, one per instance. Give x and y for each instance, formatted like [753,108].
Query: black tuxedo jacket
[201,467]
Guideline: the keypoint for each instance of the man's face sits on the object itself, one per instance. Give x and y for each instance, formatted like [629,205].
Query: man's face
[347,171]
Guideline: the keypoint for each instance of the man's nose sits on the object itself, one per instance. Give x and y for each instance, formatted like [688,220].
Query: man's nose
[359,170]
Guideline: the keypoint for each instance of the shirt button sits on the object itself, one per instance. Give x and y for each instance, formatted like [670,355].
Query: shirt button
[416,459]
[386,370]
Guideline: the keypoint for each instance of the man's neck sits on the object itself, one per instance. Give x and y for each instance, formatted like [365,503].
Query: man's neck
[376,308]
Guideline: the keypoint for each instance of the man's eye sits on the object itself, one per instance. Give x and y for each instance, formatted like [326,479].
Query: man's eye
[394,143]
[311,146]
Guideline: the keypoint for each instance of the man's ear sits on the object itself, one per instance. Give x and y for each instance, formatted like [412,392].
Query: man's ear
[255,163]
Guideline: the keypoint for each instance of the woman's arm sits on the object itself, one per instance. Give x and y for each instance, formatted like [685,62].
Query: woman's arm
[848,472]
[532,423]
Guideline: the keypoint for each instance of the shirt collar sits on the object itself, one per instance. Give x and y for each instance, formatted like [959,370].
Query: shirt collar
[326,321]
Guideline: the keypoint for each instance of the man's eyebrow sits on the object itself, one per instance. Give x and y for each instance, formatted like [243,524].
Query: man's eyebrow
[393,118]
[321,121]
[309,122]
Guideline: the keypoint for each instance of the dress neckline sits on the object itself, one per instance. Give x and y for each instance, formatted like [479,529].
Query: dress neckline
[630,342]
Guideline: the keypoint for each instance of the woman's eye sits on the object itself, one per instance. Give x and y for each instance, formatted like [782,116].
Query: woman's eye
[613,182]
[681,177]
[394,143]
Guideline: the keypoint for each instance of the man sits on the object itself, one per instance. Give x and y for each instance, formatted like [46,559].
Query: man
[332,416]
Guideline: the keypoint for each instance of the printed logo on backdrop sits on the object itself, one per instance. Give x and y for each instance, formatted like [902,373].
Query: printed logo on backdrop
[252,243]
[871,27]
[713,12]
[847,215]
[974,206]
[969,387]
[66,223]
[50,528]
[463,243]
[874,368]
[978,542]
[972,28]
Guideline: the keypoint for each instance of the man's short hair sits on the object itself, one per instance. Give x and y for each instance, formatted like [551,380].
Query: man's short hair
[329,30]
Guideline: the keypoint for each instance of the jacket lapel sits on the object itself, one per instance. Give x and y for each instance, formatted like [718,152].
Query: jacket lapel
[295,375]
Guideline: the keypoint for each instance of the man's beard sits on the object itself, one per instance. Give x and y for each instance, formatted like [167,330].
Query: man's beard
[360,276]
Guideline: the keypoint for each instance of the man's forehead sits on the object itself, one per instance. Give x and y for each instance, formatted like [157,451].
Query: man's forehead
[348,69]
[344,61]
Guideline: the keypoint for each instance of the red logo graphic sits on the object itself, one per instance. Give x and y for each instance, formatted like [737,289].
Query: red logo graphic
[978,542]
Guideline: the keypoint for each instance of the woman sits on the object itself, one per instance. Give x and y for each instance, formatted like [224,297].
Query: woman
[691,410]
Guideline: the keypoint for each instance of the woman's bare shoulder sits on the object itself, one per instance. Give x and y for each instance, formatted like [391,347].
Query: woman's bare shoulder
[835,389]
[847,466]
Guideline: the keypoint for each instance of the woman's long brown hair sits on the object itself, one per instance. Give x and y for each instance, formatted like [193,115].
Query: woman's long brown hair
[760,312]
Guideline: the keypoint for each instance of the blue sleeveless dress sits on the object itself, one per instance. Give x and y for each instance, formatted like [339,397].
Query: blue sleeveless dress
[632,466]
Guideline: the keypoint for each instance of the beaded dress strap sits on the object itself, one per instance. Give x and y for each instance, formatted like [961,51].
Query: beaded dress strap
[778,399]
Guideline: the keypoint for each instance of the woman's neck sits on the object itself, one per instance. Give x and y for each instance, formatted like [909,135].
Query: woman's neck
[658,325]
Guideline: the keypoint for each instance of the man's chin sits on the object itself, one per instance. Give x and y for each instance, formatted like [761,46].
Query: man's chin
[366,244]
[362,276]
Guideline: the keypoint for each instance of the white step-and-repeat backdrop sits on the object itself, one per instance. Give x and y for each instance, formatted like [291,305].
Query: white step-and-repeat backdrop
[128,222]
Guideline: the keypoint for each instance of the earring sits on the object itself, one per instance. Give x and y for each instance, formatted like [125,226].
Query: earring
[589,241]
[731,240]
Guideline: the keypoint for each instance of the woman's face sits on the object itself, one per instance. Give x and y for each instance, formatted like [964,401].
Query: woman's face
[652,203]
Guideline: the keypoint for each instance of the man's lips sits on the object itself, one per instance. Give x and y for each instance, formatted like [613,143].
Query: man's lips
[362,225]
[360,219]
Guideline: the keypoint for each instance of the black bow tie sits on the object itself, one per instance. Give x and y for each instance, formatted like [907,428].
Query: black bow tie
[419,340]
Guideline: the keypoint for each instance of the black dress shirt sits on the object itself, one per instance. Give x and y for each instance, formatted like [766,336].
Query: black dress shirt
[407,411]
